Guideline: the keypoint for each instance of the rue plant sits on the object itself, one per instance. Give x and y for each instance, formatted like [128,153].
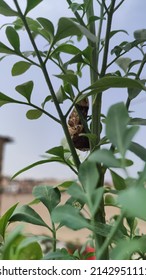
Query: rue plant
[78,110]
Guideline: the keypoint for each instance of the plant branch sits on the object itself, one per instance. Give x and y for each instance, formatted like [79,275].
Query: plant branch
[107,38]
[110,237]
[49,84]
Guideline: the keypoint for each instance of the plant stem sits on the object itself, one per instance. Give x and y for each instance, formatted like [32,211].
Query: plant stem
[110,237]
[96,115]
[49,84]
[54,237]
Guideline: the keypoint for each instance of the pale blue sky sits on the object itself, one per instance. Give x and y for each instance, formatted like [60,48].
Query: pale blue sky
[33,138]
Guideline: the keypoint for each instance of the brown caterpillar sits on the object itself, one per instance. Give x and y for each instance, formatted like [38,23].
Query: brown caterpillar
[76,127]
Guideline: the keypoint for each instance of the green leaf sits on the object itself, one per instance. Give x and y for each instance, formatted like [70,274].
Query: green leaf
[88,176]
[31,4]
[138,150]
[30,251]
[113,32]
[69,78]
[137,121]
[6,10]
[49,196]
[85,31]
[33,114]
[132,200]
[20,68]
[47,25]
[66,28]
[66,184]
[13,38]
[56,151]
[142,177]
[76,192]
[110,200]
[4,220]
[118,119]
[5,49]
[111,82]
[70,217]
[47,99]
[133,92]
[25,89]
[66,48]
[61,95]
[26,214]
[52,159]
[96,198]
[125,248]
[4,99]
[106,157]
[123,63]
[140,34]
[12,240]
[116,82]
[59,254]
[118,181]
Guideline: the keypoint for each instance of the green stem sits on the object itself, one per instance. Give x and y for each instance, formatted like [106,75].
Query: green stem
[107,38]
[110,237]
[143,62]
[54,237]
[49,84]
[96,115]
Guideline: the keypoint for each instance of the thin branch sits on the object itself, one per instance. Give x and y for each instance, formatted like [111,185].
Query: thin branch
[105,7]
[78,17]
[110,237]
[107,36]
[49,84]
[117,7]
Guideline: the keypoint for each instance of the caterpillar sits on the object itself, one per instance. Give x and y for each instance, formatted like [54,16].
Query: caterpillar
[76,127]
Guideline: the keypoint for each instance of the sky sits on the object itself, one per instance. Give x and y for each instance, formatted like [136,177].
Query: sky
[33,138]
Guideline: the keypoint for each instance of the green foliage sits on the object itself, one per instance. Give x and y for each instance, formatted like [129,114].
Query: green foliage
[108,138]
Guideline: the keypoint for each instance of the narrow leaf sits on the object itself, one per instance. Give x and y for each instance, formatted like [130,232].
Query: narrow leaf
[53,159]
[111,82]
[88,176]
[25,89]
[57,151]
[4,99]
[138,150]
[4,220]
[118,119]
[20,68]
[88,34]
[5,49]
[28,215]
[117,82]
[31,4]
[137,121]
[118,181]
[13,38]
[6,10]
